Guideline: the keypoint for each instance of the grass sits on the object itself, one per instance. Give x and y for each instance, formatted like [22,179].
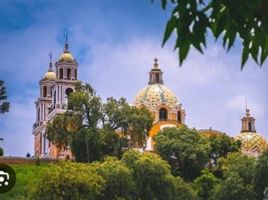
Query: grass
[26,174]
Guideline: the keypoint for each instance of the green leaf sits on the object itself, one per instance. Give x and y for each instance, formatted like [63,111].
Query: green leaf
[169,29]
[183,51]
[244,56]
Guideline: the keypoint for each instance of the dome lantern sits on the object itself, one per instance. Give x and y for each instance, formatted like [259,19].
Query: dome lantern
[156,75]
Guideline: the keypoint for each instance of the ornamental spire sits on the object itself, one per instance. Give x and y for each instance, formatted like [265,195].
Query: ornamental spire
[66,46]
[50,69]
[155,75]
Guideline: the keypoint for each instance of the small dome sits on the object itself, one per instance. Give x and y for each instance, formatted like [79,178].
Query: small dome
[66,56]
[51,76]
[154,95]
[252,143]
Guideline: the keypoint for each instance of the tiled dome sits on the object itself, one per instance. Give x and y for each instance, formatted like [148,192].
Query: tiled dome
[252,143]
[154,95]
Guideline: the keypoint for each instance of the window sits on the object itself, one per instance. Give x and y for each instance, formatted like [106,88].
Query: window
[249,126]
[44,91]
[179,116]
[61,73]
[54,98]
[68,91]
[75,74]
[157,77]
[163,114]
[68,74]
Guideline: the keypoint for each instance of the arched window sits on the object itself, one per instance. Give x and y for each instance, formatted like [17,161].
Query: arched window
[179,116]
[163,114]
[44,91]
[61,73]
[68,74]
[68,91]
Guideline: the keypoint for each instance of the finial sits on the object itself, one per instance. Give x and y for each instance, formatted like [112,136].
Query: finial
[50,61]
[155,63]
[66,42]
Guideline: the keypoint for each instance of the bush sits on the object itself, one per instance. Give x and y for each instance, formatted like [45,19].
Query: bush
[1,151]
[69,181]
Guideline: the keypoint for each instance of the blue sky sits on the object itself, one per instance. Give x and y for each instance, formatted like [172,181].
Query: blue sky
[115,43]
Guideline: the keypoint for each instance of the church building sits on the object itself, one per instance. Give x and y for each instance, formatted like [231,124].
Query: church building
[55,87]
[165,108]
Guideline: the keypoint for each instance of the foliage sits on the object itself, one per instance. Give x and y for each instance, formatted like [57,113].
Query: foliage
[84,102]
[112,143]
[4,105]
[118,114]
[60,130]
[94,129]
[237,180]
[86,144]
[69,181]
[221,145]
[206,184]
[226,19]
[260,182]
[185,150]
[1,151]
[153,178]
[119,180]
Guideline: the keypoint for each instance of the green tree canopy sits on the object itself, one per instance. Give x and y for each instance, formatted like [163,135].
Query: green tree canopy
[228,20]
[68,180]
[261,176]
[221,145]
[4,105]
[153,178]
[184,149]
[237,180]
[94,129]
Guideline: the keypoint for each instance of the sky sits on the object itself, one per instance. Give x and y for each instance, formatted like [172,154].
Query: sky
[115,43]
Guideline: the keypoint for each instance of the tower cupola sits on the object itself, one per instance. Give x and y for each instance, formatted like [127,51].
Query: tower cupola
[155,75]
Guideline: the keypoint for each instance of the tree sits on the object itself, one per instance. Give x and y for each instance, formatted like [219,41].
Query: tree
[86,104]
[68,180]
[119,180]
[221,145]
[260,182]
[60,130]
[237,180]
[4,105]
[184,149]
[131,121]
[226,19]
[86,145]
[153,178]
[206,184]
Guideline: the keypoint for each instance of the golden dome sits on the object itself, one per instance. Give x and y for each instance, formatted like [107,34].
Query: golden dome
[154,95]
[50,75]
[252,143]
[66,56]
[211,133]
